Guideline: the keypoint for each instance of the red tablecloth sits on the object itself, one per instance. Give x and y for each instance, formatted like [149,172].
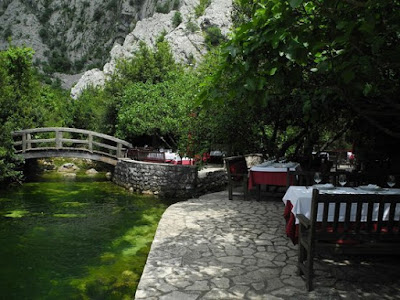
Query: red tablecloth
[267,178]
[292,230]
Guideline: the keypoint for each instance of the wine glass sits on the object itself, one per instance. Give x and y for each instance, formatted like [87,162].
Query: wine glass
[317,177]
[342,179]
[391,181]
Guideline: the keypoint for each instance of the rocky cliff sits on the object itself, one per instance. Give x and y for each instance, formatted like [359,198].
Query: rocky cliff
[187,40]
[70,36]
[73,36]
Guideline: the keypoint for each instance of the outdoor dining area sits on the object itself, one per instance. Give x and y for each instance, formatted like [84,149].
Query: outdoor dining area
[338,209]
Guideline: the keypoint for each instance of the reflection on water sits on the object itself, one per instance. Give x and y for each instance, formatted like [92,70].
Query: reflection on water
[74,238]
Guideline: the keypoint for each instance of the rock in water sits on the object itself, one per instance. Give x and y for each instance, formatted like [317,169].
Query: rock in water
[68,168]
[91,171]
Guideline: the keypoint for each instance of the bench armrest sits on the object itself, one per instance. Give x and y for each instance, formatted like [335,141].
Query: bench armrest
[304,220]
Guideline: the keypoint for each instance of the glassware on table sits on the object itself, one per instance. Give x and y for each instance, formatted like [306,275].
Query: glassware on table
[391,181]
[317,177]
[342,179]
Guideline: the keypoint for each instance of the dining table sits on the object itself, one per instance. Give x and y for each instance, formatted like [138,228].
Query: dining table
[270,173]
[298,199]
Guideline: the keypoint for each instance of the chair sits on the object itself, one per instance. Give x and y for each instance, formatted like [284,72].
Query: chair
[236,168]
[298,177]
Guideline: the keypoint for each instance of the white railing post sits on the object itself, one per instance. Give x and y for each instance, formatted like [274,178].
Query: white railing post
[23,142]
[59,136]
[90,142]
[119,150]
[28,141]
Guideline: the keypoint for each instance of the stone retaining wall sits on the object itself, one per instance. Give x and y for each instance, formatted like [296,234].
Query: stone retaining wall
[167,180]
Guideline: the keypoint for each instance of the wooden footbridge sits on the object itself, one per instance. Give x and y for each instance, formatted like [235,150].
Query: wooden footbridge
[69,142]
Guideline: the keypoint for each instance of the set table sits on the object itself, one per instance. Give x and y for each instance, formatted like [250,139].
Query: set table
[297,200]
[270,173]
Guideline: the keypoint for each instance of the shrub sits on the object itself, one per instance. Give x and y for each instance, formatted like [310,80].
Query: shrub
[176,19]
[98,14]
[192,26]
[199,9]
[213,36]
[176,5]
[8,33]
[44,35]
[163,8]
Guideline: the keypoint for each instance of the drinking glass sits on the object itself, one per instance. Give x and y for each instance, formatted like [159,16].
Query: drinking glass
[317,177]
[342,179]
[391,181]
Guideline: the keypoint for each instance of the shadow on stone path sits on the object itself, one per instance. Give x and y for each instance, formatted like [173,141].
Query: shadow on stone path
[213,248]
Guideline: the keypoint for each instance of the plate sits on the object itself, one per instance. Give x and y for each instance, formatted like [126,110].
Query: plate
[371,187]
[327,186]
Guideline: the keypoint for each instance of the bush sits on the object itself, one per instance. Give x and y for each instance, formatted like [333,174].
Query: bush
[176,5]
[8,33]
[44,35]
[176,19]
[199,9]
[98,14]
[163,8]
[192,26]
[213,36]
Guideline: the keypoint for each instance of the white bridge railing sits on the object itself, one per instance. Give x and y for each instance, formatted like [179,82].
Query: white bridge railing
[61,141]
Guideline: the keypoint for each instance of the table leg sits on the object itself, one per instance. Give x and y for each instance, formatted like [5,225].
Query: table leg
[258,192]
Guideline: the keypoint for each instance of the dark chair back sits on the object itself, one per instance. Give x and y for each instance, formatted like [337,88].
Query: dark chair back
[236,168]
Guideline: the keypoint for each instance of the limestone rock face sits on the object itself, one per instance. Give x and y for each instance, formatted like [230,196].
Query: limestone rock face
[23,26]
[92,78]
[70,36]
[187,46]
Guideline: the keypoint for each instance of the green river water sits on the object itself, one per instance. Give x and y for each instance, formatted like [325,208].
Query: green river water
[74,238]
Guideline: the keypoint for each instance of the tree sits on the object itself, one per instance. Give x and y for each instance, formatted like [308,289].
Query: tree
[161,109]
[24,103]
[313,69]
[17,84]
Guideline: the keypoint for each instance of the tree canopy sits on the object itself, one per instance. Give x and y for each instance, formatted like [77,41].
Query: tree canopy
[313,69]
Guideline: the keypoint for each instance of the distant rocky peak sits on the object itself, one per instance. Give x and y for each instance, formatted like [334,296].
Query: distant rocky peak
[187,39]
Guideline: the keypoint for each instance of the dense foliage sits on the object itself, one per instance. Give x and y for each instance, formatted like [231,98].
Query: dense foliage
[312,70]
[295,77]
[24,103]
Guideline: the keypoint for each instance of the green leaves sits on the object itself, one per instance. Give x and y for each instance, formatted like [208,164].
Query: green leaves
[295,3]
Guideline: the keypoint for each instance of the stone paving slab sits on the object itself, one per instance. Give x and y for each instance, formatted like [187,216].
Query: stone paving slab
[213,248]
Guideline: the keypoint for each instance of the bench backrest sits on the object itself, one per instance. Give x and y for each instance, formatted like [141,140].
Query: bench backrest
[366,217]
[236,167]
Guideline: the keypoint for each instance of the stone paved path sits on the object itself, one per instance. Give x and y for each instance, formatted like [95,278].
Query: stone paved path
[213,248]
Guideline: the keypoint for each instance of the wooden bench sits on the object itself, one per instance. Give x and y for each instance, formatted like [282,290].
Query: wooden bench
[370,230]
[238,173]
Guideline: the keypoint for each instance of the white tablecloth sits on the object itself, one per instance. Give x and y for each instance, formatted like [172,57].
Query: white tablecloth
[300,197]
[271,166]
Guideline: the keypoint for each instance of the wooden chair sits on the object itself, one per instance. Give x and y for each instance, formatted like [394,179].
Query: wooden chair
[349,235]
[237,170]
[298,177]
